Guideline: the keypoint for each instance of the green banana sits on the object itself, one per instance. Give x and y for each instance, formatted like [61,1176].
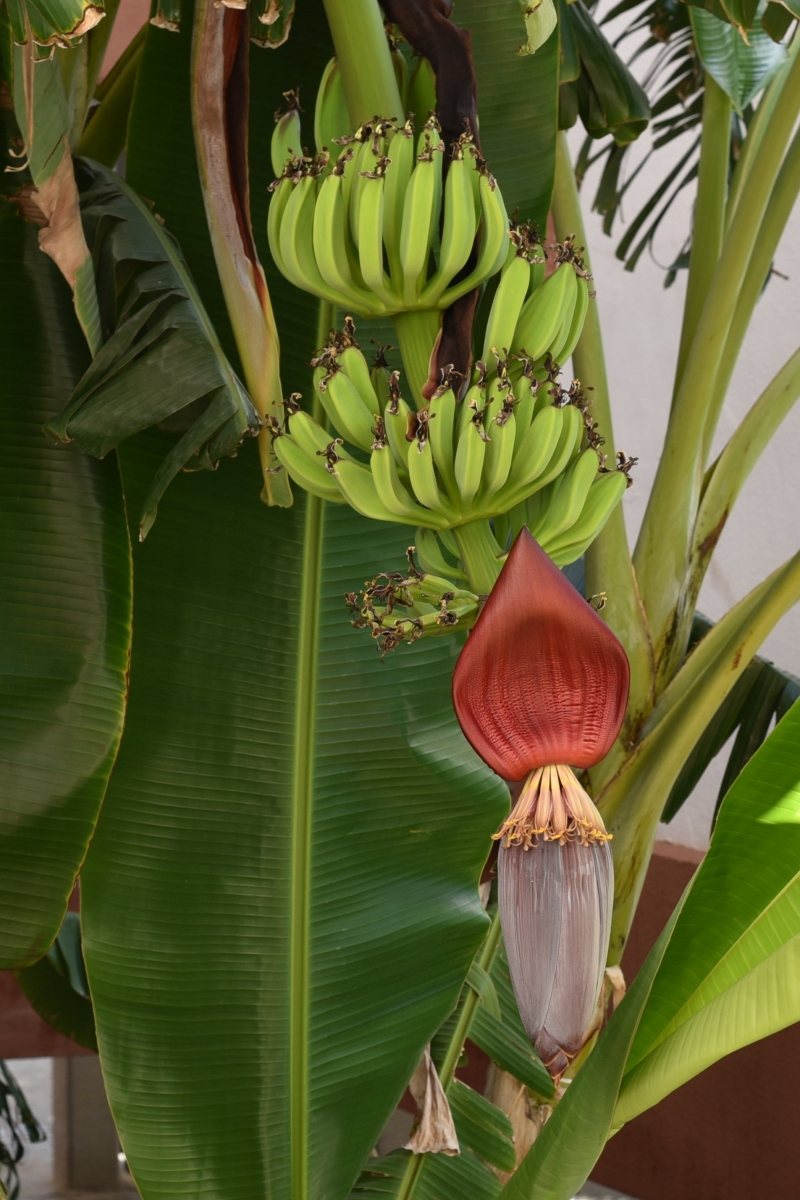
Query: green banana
[309,435]
[533,456]
[389,486]
[604,495]
[352,362]
[396,419]
[525,391]
[281,194]
[576,324]
[347,411]
[420,220]
[470,453]
[331,119]
[330,238]
[571,434]
[296,242]
[567,505]
[307,471]
[557,348]
[473,402]
[358,488]
[422,90]
[543,313]
[370,237]
[441,422]
[494,241]
[431,559]
[460,225]
[501,428]
[401,152]
[287,138]
[506,307]
[422,475]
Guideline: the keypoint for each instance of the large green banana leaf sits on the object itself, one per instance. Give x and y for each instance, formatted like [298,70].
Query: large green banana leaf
[517,103]
[64,606]
[731,974]
[281,903]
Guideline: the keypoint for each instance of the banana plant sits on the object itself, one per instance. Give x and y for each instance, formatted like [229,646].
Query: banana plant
[279,833]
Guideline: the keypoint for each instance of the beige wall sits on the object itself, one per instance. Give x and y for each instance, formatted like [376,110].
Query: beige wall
[641,324]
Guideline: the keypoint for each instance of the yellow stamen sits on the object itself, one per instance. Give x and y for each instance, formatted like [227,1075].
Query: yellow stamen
[553,807]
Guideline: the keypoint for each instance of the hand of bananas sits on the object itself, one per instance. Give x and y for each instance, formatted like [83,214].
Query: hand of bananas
[455,461]
[405,606]
[335,226]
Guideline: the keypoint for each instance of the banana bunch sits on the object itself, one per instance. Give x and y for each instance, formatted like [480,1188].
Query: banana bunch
[405,606]
[455,460]
[382,228]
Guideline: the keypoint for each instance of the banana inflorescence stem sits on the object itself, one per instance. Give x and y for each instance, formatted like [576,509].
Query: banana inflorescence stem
[417,333]
[359,38]
[479,554]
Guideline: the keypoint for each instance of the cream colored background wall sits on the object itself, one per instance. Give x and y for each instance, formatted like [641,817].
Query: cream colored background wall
[641,325]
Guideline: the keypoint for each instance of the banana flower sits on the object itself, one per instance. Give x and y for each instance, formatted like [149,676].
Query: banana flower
[541,688]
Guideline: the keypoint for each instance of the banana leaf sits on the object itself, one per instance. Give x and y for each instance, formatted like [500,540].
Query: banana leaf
[742,69]
[762,694]
[54,22]
[281,904]
[58,989]
[161,362]
[607,96]
[18,1127]
[731,973]
[64,611]
[518,102]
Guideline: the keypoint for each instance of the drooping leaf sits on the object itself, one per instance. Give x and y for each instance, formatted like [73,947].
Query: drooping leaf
[161,362]
[272,932]
[18,1127]
[54,22]
[482,1126]
[57,988]
[741,68]
[64,610]
[731,973]
[609,98]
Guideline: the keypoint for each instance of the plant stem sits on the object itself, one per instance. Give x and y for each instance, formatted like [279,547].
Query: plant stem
[359,38]
[479,552]
[417,333]
[608,562]
[103,139]
[709,213]
[634,800]
[661,557]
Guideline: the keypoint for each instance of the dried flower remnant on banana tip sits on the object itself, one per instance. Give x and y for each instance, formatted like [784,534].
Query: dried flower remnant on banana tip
[539,689]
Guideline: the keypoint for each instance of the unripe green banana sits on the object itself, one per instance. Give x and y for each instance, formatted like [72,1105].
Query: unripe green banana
[306,470]
[460,224]
[500,426]
[576,324]
[347,411]
[470,453]
[565,509]
[533,455]
[420,220]
[287,138]
[281,194]
[506,307]
[396,418]
[330,239]
[494,241]
[389,487]
[431,559]
[422,90]
[557,348]
[296,242]
[538,273]
[352,362]
[422,474]
[571,433]
[441,422]
[474,401]
[370,237]
[331,119]
[309,435]
[604,495]
[525,392]
[543,313]
[401,153]
[358,488]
